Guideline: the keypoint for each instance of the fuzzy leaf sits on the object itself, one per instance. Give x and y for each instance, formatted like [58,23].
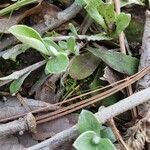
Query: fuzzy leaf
[49,43]
[107,133]
[88,122]
[29,36]
[106,144]
[93,12]
[110,14]
[83,66]
[16,84]
[122,21]
[84,141]
[118,61]
[57,64]
[73,29]
[98,37]
[13,52]
[62,45]
[71,44]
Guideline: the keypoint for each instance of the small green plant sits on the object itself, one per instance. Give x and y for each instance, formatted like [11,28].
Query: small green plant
[56,55]
[93,136]
[104,14]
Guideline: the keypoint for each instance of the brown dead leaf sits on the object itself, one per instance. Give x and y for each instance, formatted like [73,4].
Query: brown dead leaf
[111,76]
[53,127]
[40,13]
[48,91]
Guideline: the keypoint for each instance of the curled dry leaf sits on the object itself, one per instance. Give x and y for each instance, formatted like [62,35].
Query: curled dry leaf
[139,134]
[48,92]
[43,12]
[111,76]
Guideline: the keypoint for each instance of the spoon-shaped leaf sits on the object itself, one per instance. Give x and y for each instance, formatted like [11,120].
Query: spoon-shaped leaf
[87,121]
[106,144]
[57,64]
[16,84]
[29,36]
[84,141]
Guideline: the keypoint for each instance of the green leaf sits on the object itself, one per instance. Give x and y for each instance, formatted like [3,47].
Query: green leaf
[102,8]
[118,61]
[29,36]
[97,37]
[110,100]
[16,84]
[110,14]
[106,144]
[13,52]
[87,62]
[93,3]
[106,132]
[71,44]
[49,43]
[84,141]
[122,21]
[62,45]
[73,29]
[88,122]
[57,64]
[93,12]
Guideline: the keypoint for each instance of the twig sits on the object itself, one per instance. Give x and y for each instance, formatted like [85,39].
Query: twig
[23,102]
[105,114]
[121,36]
[116,132]
[145,61]
[61,18]
[20,125]
[123,50]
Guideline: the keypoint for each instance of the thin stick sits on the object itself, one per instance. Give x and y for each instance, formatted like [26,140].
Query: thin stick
[129,88]
[116,132]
